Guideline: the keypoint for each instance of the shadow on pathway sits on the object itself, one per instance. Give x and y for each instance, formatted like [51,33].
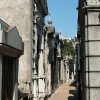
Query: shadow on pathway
[73,91]
[66,91]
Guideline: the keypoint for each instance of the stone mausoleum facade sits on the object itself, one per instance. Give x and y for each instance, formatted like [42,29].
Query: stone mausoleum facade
[11,48]
[89,49]
[41,68]
[28,16]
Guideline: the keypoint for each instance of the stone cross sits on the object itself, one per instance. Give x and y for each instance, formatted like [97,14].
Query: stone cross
[60,31]
[49,15]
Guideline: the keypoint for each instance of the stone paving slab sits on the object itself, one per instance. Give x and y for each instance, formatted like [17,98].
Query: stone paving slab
[66,91]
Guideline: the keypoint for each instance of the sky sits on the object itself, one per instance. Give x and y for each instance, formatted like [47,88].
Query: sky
[64,16]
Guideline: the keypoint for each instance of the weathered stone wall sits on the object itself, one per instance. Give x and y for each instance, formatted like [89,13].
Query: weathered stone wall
[89,24]
[92,56]
[18,13]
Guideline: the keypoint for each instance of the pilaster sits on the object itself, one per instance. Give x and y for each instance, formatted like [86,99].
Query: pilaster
[1,60]
[92,52]
[15,79]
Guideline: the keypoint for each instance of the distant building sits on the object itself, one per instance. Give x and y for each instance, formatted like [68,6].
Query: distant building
[65,38]
[69,61]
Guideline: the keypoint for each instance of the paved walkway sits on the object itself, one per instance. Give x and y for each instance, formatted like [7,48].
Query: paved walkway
[66,91]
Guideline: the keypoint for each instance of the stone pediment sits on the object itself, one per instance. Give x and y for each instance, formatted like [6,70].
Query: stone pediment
[14,39]
[10,37]
[3,26]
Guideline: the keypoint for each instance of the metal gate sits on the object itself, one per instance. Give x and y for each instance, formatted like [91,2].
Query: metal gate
[7,78]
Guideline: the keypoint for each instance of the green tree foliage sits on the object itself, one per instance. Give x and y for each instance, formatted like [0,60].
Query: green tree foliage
[68,48]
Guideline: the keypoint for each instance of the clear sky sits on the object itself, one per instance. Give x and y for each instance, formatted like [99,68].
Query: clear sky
[64,16]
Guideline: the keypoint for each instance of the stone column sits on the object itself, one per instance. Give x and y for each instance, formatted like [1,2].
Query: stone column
[45,66]
[58,72]
[40,73]
[1,60]
[43,87]
[74,69]
[72,76]
[68,73]
[15,79]
[34,76]
[61,70]
[41,69]
[49,77]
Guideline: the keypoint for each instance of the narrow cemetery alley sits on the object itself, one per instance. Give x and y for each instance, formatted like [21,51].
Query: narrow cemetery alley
[66,91]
